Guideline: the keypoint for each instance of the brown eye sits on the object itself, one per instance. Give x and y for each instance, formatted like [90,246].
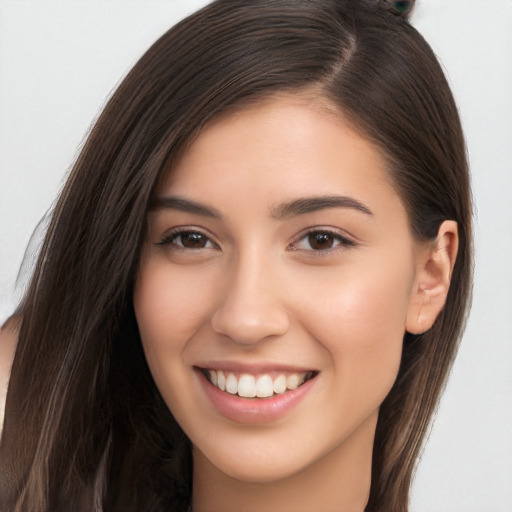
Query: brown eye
[192,240]
[189,240]
[321,241]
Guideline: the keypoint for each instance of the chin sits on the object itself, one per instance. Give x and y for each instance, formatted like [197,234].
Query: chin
[259,470]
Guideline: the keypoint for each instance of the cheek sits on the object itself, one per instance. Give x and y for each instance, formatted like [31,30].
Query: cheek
[169,304]
[361,324]
[167,308]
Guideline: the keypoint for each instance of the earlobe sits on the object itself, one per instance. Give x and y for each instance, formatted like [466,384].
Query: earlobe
[435,267]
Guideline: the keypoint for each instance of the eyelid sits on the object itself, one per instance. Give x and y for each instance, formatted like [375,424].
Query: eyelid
[345,241]
[167,240]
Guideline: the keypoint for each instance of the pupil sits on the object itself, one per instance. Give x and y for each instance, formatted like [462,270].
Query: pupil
[320,241]
[193,240]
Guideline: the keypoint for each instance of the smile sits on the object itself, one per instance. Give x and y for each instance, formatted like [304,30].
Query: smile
[255,395]
[263,385]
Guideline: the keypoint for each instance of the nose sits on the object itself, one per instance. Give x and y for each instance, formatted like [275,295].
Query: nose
[251,308]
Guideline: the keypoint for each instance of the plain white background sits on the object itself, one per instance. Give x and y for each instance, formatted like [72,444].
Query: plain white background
[59,61]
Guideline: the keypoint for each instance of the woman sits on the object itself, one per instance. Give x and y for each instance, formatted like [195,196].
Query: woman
[254,282]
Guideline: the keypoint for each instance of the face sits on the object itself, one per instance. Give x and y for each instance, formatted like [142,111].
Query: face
[273,289]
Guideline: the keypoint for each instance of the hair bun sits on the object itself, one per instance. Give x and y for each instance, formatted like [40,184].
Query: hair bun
[401,7]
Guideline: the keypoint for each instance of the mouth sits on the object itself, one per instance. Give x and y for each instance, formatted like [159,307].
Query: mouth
[262,385]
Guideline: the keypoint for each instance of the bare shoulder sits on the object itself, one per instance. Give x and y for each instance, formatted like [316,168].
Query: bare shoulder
[8,342]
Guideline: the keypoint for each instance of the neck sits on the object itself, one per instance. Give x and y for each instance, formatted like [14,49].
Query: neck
[338,482]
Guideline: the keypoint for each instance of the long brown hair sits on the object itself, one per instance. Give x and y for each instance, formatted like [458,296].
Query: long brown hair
[85,427]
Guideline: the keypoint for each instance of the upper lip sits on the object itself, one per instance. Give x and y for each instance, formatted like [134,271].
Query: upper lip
[253,368]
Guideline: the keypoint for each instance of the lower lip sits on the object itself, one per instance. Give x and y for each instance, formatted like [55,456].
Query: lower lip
[254,410]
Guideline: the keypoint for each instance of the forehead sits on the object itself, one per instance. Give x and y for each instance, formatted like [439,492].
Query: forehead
[285,147]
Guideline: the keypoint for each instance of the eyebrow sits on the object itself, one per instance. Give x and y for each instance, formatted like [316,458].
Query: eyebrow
[305,205]
[283,211]
[183,205]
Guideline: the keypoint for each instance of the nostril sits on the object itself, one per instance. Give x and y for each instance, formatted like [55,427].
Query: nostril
[251,324]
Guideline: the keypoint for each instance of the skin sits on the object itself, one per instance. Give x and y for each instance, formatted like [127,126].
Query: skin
[8,342]
[252,290]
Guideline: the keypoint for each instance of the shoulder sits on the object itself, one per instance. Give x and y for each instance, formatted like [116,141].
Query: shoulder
[8,342]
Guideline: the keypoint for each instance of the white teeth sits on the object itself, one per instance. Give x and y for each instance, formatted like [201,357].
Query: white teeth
[293,381]
[231,384]
[221,380]
[280,384]
[264,386]
[248,386]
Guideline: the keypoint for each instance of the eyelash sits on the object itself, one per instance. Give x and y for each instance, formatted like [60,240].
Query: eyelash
[343,242]
[169,239]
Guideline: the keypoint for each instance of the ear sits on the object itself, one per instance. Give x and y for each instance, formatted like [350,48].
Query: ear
[434,272]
